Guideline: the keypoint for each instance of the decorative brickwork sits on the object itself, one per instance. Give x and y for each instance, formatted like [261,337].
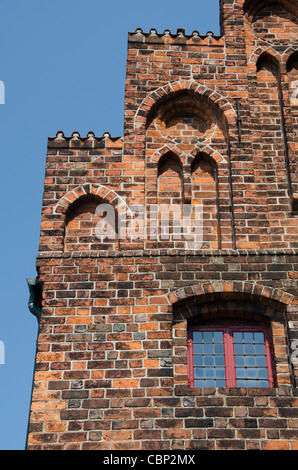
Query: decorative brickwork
[209,122]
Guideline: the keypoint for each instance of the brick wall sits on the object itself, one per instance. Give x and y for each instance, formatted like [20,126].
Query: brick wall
[210,122]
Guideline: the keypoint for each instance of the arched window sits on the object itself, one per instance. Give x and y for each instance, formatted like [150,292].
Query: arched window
[229,340]
[229,356]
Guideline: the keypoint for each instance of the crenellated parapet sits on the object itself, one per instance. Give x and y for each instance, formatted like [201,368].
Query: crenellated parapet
[179,38]
[90,141]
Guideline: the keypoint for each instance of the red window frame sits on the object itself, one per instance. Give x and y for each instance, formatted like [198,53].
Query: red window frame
[230,368]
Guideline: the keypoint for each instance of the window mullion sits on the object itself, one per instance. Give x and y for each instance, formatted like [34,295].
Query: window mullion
[229,358]
[190,361]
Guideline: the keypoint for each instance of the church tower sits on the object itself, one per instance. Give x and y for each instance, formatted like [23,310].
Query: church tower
[166,288]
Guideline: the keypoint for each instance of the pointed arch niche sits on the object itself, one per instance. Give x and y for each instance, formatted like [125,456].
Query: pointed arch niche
[183,129]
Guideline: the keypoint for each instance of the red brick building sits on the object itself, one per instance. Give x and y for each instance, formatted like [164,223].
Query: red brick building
[147,340]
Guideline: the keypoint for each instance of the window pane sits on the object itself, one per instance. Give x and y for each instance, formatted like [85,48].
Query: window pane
[251,373]
[197,336]
[218,348]
[240,372]
[220,373]
[250,359]
[218,336]
[198,360]
[238,337]
[199,372]
[248,337]
[219,360]
[198,349]
[209,363]
[208,336]
[249,348]
[260,349]
[239,361]
[258,337]
[208,348]
[239,349]
[261,361]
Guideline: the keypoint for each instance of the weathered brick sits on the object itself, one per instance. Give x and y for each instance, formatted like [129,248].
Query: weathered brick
[212,121]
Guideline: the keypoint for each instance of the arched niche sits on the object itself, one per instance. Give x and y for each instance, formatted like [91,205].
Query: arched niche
[272,22]
[185,118]
[205,192]
[90,225]
[170,179]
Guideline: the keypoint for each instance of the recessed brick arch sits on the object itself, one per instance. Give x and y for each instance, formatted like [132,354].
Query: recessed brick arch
[211,290]
[102,192]
[215,156]
[162,93]
[252,7]
[255,56]
[157,156]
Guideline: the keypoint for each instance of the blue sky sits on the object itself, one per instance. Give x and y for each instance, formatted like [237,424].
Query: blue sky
[63,66]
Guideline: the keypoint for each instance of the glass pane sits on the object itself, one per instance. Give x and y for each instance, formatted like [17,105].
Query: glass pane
[209,363]
[240,372]
[252,383]
[249,349]
[248,337]
[251,373]
[241,383]
[250,360]
[209,373]
[260,349]
[220,373]
[197,348]
[261,360]
[209,383]
[199,372]
[198,360]
[239,361]
[197,337]
[238,337]
[259,337]
[239,349]
[208,336]
[220,383]
[208,348]
[199,383]
[262,373]
[219,360]
[218,336]
[218,348]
